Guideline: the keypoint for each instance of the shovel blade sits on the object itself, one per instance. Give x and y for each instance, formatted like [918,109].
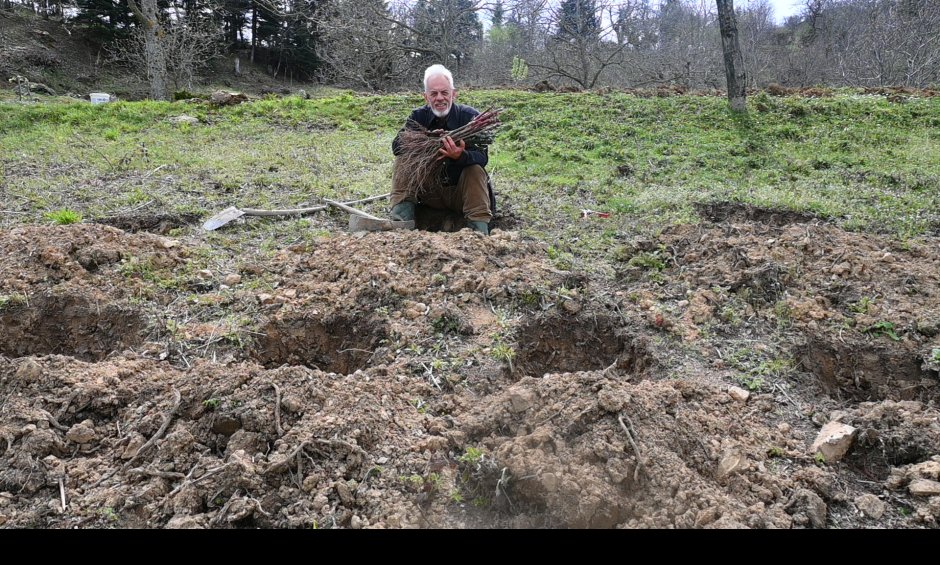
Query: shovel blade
[222,218]
[359,223]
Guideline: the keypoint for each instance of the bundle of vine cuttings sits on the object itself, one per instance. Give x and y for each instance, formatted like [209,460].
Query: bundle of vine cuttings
[419,166]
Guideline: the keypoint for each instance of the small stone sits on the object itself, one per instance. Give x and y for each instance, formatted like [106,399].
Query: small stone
[29,371]
[871,506]
[888,258]
[834,441]
[81,433]
[355,522]
[739,394]
[266,299]
[289,293]
[521,400]
[169,243]
[732,462]
[784,428]
[925,488]
[571,306]
[232,279]
[345,494]
[683,304]
[204,274]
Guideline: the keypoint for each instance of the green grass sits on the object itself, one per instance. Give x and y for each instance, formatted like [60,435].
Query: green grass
[862,161]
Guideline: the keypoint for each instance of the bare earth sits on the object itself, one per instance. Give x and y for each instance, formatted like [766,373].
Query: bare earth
[415,380]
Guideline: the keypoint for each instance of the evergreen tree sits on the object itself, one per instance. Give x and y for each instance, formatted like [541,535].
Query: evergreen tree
[578,20]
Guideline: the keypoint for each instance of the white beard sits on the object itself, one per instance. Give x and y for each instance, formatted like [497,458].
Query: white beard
[440,114]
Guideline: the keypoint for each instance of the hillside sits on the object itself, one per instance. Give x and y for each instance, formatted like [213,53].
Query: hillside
[759,283]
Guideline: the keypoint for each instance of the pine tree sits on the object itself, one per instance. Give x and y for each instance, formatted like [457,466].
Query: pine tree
[578,20]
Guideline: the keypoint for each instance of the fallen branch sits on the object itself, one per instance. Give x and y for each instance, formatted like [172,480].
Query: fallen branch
[636,449]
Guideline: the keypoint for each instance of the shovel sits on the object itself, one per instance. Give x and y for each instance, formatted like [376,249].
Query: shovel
[361,221]
[231,214]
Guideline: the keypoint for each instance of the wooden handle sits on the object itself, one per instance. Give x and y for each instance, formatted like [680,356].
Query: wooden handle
[351,210]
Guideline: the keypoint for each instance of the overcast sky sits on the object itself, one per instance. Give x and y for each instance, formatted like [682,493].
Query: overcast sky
[783,8]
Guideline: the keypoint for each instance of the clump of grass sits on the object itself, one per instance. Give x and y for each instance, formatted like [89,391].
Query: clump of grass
[63,217]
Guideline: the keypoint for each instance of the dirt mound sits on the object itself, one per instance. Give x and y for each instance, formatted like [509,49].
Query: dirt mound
[412,379]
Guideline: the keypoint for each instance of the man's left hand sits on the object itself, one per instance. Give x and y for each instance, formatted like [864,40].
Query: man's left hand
[451,150]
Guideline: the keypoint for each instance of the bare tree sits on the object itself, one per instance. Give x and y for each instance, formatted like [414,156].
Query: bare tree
[734,62]
[148,16]
[584,44]
[187,49]
[363,45]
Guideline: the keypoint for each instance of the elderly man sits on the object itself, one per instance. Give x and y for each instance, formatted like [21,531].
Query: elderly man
[465,188]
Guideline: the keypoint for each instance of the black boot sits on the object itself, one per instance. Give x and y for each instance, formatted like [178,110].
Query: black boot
[404,212]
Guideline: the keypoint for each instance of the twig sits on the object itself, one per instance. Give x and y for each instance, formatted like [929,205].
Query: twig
[345,444]
[55,423]
[636,448]
[161,474]
[190,481]
[167,418]
[277,410]
[62,493]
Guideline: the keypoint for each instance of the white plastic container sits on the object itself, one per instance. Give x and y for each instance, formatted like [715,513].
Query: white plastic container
[99,97]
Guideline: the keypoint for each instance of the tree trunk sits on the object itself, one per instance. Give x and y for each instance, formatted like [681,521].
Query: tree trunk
[254,30]
[147,13]
[734,61]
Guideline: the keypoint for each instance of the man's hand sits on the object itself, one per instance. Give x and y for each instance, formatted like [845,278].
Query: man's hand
[451,150]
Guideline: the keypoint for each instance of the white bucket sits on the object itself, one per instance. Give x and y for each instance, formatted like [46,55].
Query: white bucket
[99,97]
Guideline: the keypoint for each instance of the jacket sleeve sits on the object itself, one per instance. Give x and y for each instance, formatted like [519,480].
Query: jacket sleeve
[396,143]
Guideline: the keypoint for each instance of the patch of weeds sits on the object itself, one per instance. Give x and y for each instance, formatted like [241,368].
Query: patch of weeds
[530,298]
[776,451]
[420,405]
[504,353]
[883,328]
[935,355]
[481,502]
[446,324]
[650,261]
[12,301]
[109,514]
[752,383]
[862,306]
[63,217]
[429,484]
[561,260]
[439,279]
[472,456]
[456,497]
[783,314]
[212,403]
[819,459]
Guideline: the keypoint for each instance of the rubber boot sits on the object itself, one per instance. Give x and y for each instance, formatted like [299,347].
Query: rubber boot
[481,227]
[404,212]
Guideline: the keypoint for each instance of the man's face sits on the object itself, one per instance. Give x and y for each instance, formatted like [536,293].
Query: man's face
[440,96]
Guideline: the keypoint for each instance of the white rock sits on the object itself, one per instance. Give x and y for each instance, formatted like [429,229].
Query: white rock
[739,394]
[925,487]
[834,441]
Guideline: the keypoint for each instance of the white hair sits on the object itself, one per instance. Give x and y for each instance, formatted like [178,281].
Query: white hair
[437,71]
